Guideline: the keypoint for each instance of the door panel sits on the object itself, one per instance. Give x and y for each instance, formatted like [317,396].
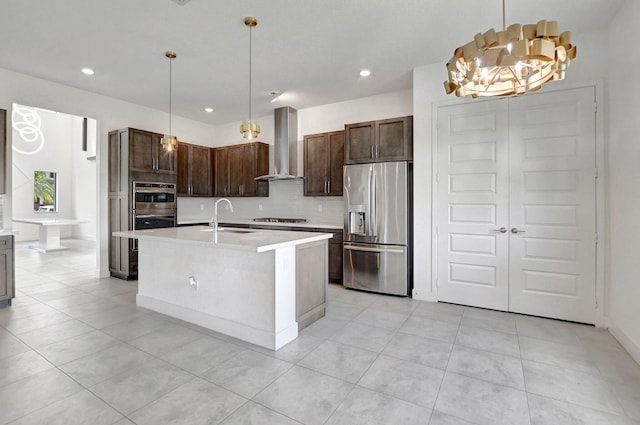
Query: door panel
[552,268]
[201,172]
[357,196]
[316,164]
[336,163]
[516,204]
[235,170]
[221,172]
[377,268]
[389,195]
[473,203]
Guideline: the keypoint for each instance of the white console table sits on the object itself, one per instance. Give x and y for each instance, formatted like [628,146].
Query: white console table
[49,231]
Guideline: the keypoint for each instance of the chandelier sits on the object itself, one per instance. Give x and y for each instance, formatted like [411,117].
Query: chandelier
[169,142]
[250,128]
[516,60]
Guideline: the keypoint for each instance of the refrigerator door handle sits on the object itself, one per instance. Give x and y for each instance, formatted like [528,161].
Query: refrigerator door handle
[372,203]
[370,249]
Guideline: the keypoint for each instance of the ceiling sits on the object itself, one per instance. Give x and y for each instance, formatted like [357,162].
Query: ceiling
[310,51]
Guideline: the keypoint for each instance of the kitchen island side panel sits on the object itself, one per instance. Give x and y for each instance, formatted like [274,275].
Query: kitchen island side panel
[243,294]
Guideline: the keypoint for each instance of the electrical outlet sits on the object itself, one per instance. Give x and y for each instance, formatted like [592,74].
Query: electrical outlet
[201,207]
[193,282]
[319,208]
[259,207]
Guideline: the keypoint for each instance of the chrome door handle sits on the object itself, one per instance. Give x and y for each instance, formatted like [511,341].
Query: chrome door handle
[500,230]
[516,230]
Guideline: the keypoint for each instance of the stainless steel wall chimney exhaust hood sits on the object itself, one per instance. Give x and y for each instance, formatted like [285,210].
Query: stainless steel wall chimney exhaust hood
[285,145]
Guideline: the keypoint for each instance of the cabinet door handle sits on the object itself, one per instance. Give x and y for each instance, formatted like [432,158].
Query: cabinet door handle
[500,230]
[516,230]
[372,152]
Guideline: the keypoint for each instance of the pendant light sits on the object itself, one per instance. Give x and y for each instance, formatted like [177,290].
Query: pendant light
[169,141]
[250,128]
[516,60]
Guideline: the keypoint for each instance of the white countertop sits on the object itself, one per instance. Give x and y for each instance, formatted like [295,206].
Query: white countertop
[255,240]
[249,221]
[49,221]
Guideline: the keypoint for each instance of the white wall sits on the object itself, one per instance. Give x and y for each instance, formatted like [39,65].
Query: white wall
[110,113]
[60,132]
[83,182]
[622,275]
[76,191]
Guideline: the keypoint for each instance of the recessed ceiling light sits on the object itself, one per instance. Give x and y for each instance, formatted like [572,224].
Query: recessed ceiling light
[209,110]
[87,71]
[365,73]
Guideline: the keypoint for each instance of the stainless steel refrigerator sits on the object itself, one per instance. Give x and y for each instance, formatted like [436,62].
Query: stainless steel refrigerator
[378,227]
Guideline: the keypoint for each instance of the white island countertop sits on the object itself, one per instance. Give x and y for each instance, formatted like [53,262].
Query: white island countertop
[250,222]
[254,240]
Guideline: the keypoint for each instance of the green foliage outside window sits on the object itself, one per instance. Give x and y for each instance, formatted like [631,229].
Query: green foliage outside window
[44,191]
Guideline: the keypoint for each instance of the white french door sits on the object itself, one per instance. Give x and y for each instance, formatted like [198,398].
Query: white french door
[473,190]
[516,204]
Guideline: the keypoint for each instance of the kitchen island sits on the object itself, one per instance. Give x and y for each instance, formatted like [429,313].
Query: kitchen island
[260,286]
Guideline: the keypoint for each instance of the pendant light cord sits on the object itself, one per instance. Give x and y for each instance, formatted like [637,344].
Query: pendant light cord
[250,50]
[170,133]
[504,17]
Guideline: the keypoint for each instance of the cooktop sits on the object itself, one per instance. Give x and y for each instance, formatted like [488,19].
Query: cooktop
[279,220]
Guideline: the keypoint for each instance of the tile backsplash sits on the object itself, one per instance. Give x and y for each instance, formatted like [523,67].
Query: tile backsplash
[286,200]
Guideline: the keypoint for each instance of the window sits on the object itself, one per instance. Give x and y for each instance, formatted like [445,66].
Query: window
[44,191]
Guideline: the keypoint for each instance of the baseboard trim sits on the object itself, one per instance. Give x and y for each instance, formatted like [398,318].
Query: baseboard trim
[632,347]
[267,339]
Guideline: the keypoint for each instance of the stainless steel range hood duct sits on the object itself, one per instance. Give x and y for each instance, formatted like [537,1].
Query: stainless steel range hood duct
[285,145]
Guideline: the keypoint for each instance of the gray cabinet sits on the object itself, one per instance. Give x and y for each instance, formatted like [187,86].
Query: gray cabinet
[7,283]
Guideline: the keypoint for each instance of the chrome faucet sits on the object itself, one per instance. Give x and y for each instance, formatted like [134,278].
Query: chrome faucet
[214,219]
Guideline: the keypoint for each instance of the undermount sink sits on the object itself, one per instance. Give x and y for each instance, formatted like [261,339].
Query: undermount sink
[233,230]
[228,230]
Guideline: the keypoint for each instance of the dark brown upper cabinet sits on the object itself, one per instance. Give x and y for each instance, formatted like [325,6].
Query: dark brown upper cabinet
[379,141]
[220,171]
[146,154]
[195,170]
[323,161]
[237,166]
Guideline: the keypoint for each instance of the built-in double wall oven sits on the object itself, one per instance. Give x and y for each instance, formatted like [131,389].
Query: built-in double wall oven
[154,205]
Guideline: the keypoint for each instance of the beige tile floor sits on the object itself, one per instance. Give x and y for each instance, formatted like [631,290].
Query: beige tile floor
[77,350]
